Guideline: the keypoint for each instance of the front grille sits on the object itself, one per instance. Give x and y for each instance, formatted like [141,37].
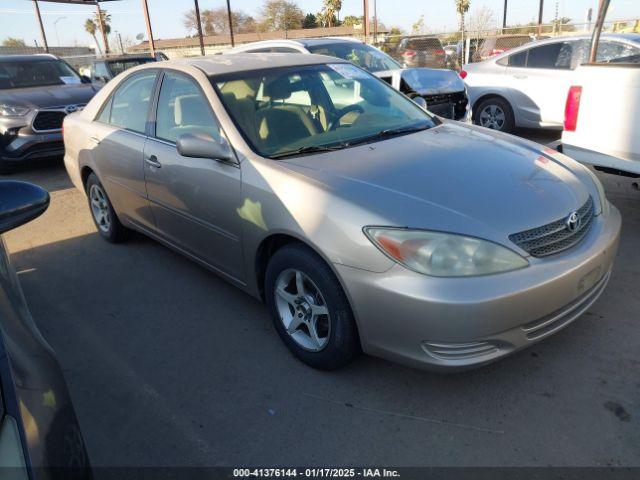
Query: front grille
[555,237]
[447,105]
[49,120]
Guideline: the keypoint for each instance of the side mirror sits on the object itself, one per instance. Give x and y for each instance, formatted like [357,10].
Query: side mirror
[20,202]
[85,79]
[420,101]
[203,145]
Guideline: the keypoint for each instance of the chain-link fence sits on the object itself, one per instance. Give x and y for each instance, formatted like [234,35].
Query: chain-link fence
[449,50]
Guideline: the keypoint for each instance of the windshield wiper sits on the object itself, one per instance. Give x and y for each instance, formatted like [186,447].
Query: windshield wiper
[309,149]
[390,132]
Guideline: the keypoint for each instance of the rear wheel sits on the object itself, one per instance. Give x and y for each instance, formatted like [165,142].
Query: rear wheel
[103,214]
[495,113]
[309,309]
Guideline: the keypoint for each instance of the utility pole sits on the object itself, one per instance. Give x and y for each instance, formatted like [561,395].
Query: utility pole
[504,16]
[44,37]
[199,26]
[152,45]
[233,43]
[55,27]
[540,17]
[375,21]
[103,29]
[366,20]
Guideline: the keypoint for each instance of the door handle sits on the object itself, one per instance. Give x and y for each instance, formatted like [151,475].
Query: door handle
[95,140]
[153,162]
[520,77]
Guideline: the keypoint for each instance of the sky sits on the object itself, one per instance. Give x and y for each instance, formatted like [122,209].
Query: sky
[64,23]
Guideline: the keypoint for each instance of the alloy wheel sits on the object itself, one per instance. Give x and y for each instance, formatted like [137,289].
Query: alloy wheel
[492,116]
[100,208]
[302,310]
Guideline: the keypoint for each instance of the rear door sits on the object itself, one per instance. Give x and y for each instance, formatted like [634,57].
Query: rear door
[541,78]
[118,135]
[194,200]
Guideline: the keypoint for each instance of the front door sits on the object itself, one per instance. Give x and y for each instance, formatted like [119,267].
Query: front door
[194,200]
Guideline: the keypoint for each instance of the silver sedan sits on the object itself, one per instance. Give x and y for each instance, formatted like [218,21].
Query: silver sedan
[364,222]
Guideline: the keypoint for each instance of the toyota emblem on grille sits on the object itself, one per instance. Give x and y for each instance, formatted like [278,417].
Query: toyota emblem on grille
[573,222]
[70,108]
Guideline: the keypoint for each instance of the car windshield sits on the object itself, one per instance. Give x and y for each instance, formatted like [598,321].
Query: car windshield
[119,66]
[360,54]
[36,73]
[302,110]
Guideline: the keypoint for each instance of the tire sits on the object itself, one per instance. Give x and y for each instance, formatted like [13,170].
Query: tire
[494,113]
[102,212]
[337,341]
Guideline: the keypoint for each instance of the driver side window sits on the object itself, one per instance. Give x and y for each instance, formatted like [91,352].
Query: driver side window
[182,108]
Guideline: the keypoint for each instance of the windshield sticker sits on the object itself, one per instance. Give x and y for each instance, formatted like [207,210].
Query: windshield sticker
[348,71]
[70,80]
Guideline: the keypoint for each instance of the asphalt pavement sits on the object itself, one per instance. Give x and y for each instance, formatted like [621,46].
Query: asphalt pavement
[170,365]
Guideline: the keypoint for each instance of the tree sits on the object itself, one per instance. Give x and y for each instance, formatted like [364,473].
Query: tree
[481,20]
[105,18]
[281,15]
[352,20]
[330,12]
[215,21]
[13,42]
[310,21]
[91,28]
[418,27]
[462,7]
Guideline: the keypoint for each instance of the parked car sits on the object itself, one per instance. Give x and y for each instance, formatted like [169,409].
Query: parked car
[36,93]
[39,433]
[601,122]
[363,221]
[104,69]
[443,91]
[527,86]
[422,52]
[483,48]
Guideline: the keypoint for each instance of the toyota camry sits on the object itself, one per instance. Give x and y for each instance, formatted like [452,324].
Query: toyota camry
[364,222]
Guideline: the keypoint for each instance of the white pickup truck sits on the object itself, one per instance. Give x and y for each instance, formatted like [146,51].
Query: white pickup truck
[602,113]
[602,117]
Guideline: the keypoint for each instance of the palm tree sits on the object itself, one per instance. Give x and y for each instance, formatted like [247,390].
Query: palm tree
[106,25]
[462,7]
[90,27]
[330,10]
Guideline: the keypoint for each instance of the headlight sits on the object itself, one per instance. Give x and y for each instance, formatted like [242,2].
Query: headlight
[13,111]
[444,254]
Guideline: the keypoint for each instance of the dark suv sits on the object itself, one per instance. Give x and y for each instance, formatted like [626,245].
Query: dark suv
[36,93]
[104,69]
[422,52]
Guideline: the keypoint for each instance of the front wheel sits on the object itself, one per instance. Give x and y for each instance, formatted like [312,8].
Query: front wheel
[496,114]
[103,214]
[310,311]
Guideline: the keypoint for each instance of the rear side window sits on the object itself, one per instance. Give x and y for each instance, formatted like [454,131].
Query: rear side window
[130,102]
[552,56]
[515,60]
[616,52]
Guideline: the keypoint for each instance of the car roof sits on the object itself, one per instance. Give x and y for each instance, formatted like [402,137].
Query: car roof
[246,62]
[118,58]
[26,58]
[311,42]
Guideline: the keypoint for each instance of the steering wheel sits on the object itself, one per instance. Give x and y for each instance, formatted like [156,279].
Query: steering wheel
[342,112]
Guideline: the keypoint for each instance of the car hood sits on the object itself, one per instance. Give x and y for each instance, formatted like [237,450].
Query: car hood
[452,178]
[50,96]
[427,81]
[431,81]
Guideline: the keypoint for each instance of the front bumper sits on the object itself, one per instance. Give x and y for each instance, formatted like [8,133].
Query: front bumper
[30,145]
[456,323]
